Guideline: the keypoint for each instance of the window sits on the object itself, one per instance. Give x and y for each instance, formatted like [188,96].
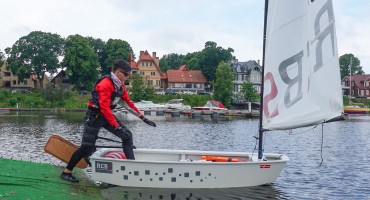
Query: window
[25,82]
[152,73]
[14,82]
[188,85]
[197,85]
[7,74]
[150,82]
[142,73]
[157,82]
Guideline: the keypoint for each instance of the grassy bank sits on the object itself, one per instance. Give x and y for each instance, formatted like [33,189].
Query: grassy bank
[73,100]
[28,180]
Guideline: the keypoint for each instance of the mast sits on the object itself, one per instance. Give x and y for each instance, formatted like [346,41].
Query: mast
[260,132]
[350,81]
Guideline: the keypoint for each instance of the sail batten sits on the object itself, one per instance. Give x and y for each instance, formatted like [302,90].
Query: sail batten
[301,68]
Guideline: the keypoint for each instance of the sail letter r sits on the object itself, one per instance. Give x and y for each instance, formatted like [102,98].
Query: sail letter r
[291,82]
[321,35]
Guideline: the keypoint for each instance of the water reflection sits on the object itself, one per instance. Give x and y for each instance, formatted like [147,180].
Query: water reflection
[127,193]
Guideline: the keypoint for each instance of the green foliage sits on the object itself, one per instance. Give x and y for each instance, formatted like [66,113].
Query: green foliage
[188,99]
[2,59]
[116,49]
[137,87]
[55,96]
[170,61]
[345,62]
[248,92]
[224,84]
[100,49]
[35,53]
[81,62]
[208,59]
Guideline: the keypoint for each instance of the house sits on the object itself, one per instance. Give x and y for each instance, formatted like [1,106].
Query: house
[10,81]
[185,80]
[250,71]
[61,79]
[359,87]
[148,67]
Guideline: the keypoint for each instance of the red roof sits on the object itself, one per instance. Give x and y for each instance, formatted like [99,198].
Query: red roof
[359,79]
[145,56]
[184,75]
[132,63]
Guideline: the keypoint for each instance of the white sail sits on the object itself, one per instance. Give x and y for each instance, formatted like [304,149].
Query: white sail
[301,77]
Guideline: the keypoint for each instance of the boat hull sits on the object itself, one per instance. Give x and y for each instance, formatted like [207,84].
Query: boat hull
[357,110]
[186,169]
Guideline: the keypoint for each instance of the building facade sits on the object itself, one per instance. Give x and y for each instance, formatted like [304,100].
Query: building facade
[185,81]
[356,85]
[10,81]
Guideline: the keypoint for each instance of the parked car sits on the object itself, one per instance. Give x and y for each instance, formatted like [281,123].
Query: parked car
[25,91]
[361,97]
[160,91]
[84,92]
[170,92]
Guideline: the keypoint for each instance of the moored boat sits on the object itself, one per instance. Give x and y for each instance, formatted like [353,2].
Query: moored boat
[150,106]
[212,105]
[177,104]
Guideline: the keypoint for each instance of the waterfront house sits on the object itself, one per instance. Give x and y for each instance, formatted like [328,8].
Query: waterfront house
[148,67]
[250,71]
[359,87]
[10,81]
[185,81]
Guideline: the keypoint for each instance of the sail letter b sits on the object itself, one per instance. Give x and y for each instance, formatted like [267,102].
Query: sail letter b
[289,81]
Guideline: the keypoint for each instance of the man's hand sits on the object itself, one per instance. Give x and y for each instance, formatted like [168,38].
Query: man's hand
[149,122]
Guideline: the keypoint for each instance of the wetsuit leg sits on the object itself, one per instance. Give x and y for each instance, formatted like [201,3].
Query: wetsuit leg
[126,137]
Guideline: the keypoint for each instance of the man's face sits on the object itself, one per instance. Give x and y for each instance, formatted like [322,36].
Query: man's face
[122,75]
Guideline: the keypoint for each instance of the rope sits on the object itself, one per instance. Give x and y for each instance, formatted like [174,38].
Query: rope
[322,143]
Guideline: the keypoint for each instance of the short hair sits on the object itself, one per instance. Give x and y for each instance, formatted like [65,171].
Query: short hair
[122,65]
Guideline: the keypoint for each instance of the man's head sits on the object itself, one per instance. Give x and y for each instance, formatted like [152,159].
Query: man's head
[121,69]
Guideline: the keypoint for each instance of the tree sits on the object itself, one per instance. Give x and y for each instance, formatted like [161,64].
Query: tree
[137,87]
[248,92]
[345,61]
[100,49]
[208,59]
[116,49]
[170,61]
[2,58]
[35,54]
[223,84]
[81,62]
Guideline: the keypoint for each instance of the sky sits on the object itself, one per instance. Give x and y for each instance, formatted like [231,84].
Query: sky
[173,26]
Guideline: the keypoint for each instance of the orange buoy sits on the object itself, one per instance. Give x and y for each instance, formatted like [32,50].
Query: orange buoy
[219,159]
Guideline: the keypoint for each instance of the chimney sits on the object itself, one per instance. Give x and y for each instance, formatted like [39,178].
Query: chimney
[258,62]
[141,53]
[154,54]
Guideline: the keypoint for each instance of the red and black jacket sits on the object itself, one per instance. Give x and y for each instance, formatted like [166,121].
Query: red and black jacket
[105,97]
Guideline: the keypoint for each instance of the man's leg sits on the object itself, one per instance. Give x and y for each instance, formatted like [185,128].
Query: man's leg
[126,137]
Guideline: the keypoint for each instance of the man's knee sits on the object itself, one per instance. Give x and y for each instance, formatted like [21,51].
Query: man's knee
[89,136]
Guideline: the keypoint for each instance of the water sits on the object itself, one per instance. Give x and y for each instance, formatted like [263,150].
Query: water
[342,152]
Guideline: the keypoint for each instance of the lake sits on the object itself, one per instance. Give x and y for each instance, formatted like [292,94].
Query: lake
[333,165]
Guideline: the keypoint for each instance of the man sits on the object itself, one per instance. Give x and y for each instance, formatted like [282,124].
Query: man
[107,92]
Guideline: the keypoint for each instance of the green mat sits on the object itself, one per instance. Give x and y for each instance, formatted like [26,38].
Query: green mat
[28,180]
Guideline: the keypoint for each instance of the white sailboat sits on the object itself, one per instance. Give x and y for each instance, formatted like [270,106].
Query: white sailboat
[301,87]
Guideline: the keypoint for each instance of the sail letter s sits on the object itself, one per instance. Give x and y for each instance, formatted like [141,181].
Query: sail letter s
[321,35]
[270,96]
[290,82]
